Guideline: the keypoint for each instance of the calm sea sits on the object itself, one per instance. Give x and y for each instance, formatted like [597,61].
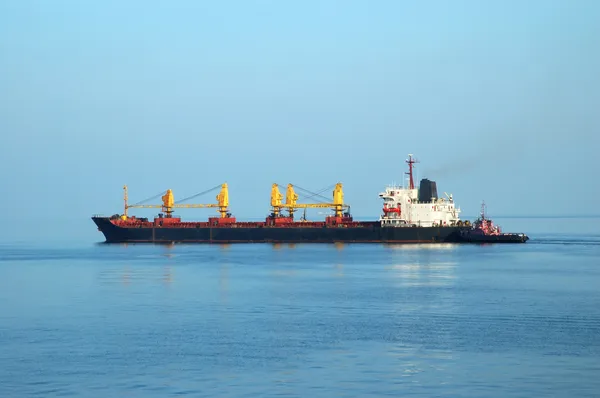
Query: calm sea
[95,320]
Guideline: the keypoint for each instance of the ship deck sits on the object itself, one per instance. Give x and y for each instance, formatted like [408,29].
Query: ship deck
[243,224]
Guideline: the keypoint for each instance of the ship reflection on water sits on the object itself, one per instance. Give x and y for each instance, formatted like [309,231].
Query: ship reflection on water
[139,268]
[279,245]
[410,265]
[129,275]
[224,283]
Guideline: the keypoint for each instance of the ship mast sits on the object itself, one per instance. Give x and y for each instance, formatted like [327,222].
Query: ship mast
[125,198]
[410,162]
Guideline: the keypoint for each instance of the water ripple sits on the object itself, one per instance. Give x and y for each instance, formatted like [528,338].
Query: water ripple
[260,320]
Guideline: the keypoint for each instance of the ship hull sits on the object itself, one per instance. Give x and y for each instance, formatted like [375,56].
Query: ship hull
[501,238]
[367,232]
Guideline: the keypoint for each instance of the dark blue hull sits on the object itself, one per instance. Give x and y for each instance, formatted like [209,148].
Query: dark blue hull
[502,238]
[367,232]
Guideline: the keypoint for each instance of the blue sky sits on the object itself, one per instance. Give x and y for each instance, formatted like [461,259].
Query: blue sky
[498,100]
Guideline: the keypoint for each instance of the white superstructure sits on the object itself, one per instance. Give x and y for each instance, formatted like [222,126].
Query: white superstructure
[402,208]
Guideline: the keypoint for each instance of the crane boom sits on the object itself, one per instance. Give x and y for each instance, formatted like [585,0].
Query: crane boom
[168,203]
[291,199]
[186,206]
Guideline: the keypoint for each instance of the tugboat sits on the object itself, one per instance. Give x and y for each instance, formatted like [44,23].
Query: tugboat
[484,230]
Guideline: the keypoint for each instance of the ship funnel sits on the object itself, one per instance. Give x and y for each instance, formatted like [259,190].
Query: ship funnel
[427,190]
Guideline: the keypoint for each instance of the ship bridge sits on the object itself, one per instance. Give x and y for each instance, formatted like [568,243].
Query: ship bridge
[417,206]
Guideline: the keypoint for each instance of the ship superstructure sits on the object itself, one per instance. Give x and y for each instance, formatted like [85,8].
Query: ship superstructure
[417,207]
[410,215]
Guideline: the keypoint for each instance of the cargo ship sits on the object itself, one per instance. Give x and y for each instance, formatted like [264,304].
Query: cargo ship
[409,215]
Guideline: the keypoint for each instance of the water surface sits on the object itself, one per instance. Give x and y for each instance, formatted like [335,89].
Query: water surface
[89,319]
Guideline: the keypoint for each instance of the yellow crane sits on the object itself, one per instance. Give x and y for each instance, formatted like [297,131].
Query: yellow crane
[168,203]
[291,199]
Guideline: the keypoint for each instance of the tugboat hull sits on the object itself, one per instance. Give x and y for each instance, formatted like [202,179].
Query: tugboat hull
[501,238]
